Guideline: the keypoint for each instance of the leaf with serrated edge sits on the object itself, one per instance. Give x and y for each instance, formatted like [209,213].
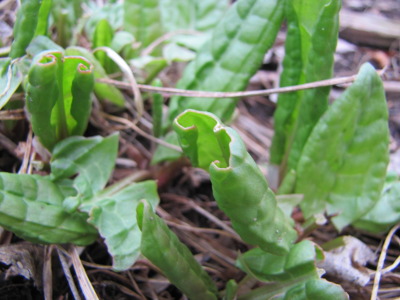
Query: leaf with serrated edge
[344,162]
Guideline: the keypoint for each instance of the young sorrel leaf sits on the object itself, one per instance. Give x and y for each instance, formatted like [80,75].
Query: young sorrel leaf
[231,57]
[93,159]
[103,36]
[239,187]
[113,212]
[143,20]
[295,274]
[31,207]
[102,90]
[343,165]
[310,43]
[163,248]
[386,211]
[58,96]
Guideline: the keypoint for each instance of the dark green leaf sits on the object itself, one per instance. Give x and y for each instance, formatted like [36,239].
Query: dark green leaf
[231,57]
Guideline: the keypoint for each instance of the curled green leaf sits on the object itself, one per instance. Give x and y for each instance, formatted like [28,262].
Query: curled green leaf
[163,248]
[239,187]
[58,96]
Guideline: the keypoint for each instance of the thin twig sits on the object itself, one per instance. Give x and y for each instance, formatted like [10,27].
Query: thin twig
[68,274]
[131,78]
[203,94]
[27,154]
[381,261]
[133,126]
[84,282]
[166,37]
[47,273]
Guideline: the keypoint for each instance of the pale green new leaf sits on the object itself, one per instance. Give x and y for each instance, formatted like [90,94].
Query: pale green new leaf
[163,248]
[239,187]
[232,55]
[386,211]
[294,276]
[343,165]
[143,20]
[93,159]
[113,212]
[31,206]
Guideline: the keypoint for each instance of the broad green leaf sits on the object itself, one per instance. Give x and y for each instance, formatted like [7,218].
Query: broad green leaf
[173,52]
[385,213]
[102,90]
[232,55]
[42,43]
[93,159]
[113,212]
[311,42]
[317,289]
[163,248]
[143,20]
[10,79]
[343,165]
[239,187]
[103,36]
[58,96]
[31,207]
[199,15]
[298,265]
[294,276]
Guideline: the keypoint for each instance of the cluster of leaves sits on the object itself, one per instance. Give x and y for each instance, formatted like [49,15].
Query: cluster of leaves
[335,156]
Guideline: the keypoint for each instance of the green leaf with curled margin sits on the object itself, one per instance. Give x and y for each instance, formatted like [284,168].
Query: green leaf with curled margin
[343,165]
[311,42]
[294,276]
[113,212]
[102,90]
[31,206]
[232,55]
[163,248]
[239,187]
[92,159]
[58,96]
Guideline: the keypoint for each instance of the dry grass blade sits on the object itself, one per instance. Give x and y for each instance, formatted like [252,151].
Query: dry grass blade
[381,261]
[202,94]
[84,282]
[68,274]
[133,126]
[48,274]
